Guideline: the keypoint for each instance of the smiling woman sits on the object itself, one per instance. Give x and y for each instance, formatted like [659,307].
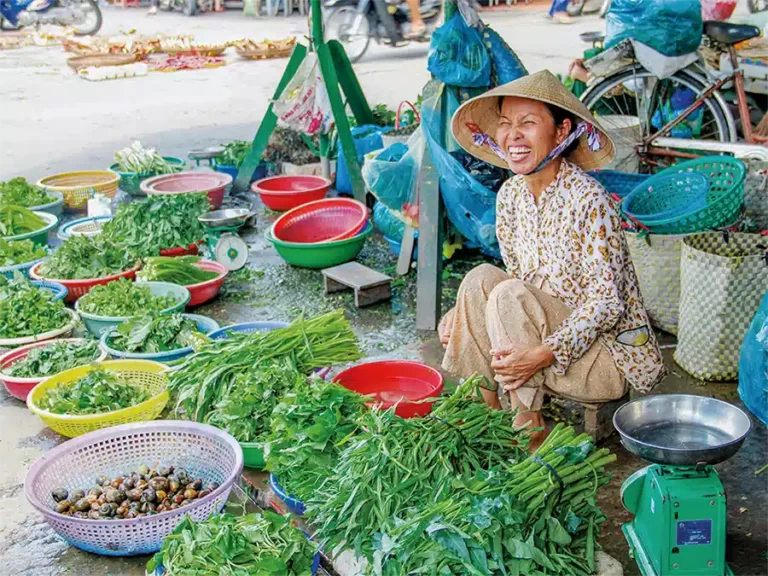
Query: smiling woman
[566,317]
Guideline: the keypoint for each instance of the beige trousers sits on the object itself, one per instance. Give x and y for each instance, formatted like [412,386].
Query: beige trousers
[493,311]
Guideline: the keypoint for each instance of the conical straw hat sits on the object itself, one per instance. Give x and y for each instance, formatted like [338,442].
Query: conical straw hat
[543,86]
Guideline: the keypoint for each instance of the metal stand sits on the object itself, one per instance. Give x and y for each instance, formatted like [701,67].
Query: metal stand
[338,75]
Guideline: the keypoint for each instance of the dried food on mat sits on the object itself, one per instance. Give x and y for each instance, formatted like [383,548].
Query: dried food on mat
[48,360]
[179,46]
[252,50]
[27,310]
[184,62]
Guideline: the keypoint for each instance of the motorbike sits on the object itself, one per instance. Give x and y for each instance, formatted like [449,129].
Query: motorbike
[186,7]
[579,7]
[355,22]
[83,16]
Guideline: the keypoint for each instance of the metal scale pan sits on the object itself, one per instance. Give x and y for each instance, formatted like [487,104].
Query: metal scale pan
[230,217]
[681,429]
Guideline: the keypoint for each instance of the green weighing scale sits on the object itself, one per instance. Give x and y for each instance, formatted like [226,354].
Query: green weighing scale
[221,227]
[678,501]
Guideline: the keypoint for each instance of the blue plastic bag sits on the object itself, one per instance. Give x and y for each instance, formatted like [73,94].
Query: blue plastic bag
[505,65]
[457,55]
[391,176]
[753,364]
[367,139]
[671,27]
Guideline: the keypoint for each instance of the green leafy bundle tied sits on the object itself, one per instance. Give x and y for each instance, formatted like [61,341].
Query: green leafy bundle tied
[97,392]
[161,222]
[206,378]
[19,192]
[53,358]
[19,252]
[140,160]
[15,220]
[122,298]
[86,257]
[265,544]
[26,310]
[234,153]
[308,427]
[151,333]
[179,270]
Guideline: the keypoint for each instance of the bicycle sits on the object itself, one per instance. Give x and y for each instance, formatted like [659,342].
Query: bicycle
[638,108]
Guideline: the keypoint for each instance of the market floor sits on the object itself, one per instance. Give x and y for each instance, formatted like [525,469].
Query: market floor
[275,291]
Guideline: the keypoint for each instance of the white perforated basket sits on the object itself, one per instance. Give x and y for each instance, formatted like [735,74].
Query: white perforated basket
[204,451]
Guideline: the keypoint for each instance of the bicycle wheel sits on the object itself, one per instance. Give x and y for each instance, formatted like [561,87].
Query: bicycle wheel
[634,104]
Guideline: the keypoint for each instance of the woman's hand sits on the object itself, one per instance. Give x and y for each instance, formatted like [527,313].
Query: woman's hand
[516,364]
[444,328]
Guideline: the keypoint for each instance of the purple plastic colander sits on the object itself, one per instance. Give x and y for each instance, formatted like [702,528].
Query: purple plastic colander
[204,451]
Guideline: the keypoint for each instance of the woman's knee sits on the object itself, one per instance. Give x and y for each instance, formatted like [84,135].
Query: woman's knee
[512,291]
[484,278]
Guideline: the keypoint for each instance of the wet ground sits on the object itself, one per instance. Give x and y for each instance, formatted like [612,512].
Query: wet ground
[272,290]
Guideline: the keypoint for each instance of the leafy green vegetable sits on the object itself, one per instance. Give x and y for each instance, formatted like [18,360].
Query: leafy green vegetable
[53,358]
[307,428]
[179,270]
[26,310]
[287,145]
[96,392]
[263,544]
[206,377]
[234,153]
[161,222]
[19,252]
[16,220]
[142,160]
[82,257]
[122,298]
[151,333]
[19,192]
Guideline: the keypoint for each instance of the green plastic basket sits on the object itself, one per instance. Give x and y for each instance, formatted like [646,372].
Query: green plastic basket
[253,455]
[320,254]
[724,197]
[39,237]
[130,182]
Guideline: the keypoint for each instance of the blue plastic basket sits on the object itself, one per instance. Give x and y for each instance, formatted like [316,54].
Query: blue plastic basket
[259,172]
[246,328]
[90,226]
[667,196]
[619,183]
[294,505]
[59,291]
[24,268]
[204,324]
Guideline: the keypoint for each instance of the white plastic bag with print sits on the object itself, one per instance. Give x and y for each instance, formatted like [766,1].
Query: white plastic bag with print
[304,105]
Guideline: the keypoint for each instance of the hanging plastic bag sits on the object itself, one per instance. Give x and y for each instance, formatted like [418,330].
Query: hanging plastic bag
[304,104]
[505,64]
[671,27]
[457,55]
[753,364]
[367,139]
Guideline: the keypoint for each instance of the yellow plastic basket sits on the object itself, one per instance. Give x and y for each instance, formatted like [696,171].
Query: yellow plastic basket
[77,187]
[151,375]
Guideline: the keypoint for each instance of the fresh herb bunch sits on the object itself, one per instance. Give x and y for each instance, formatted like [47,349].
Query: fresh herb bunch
[140,160]
[15,220]
[19,192]
[265,544]
[234,153]
[393,466]
[245,406]
[53,358]
[308,429]
[122,298]
[26,310]
[168,221]
[81,257]
[97,392]
[19,252]
[150,333]
[179,270]
[205,378]
[513,520]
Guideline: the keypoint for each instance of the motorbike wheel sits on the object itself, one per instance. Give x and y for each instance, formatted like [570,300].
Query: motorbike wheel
[93,19]
[189,8]
[575,8]
[338,25]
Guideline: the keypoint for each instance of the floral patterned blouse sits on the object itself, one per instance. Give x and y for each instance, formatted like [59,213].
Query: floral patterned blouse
[573,238]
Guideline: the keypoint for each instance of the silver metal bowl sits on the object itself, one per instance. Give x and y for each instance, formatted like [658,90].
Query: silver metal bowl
[681,429]
[228,217]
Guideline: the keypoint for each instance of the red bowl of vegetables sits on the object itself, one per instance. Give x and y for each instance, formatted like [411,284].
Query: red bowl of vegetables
[287,192]
[79,288]
[208,290]
[212,183]
[395,382]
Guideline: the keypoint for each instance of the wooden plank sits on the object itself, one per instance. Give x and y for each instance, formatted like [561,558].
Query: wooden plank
[267,126]
[430,264]
[355,275]
[369,296]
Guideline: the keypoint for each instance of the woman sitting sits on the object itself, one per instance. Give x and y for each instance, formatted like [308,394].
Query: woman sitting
[566,316]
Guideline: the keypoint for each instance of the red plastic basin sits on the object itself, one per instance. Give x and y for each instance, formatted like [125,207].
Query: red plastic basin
[208,290]
[286,192]
[79,288]
[324,220]
[395,382]
[212,183]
